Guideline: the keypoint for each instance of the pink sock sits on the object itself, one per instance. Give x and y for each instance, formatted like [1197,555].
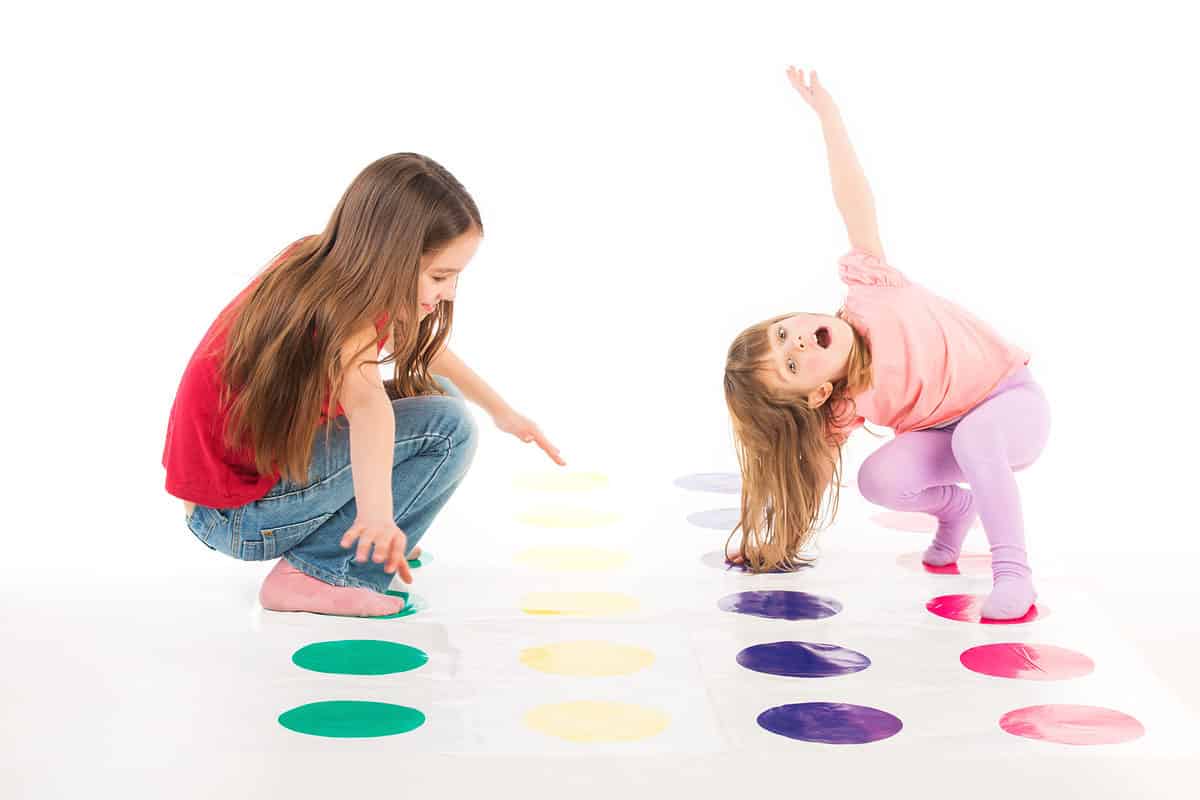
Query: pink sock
[288,589]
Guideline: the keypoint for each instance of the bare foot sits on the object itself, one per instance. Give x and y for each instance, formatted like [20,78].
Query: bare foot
[288,589]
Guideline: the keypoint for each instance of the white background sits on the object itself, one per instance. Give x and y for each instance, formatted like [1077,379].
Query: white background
[649,184]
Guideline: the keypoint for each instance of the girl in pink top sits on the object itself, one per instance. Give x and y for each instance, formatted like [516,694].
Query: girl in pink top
[961,400]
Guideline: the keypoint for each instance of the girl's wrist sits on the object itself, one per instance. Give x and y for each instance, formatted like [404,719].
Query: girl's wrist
[830,114]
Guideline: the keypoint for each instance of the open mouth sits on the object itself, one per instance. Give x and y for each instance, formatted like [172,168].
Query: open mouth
[824,337]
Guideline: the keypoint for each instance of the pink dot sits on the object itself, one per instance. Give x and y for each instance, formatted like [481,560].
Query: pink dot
[915,521]
[1032,662]
[967,607]
[971,564]
[1069,724]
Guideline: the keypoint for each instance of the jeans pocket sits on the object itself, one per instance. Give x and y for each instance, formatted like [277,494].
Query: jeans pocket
[274,542]
[201,529]
[205,523]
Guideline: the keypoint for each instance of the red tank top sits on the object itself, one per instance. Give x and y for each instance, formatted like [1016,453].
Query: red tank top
[200,468]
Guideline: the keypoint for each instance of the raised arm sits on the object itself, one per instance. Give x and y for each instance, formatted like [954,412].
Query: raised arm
[850,189]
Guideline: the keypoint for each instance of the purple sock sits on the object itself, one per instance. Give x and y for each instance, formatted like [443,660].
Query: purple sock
[954,520]
[1012,584]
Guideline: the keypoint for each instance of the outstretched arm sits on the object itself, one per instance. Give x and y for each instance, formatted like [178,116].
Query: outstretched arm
[850,189]
[478,392]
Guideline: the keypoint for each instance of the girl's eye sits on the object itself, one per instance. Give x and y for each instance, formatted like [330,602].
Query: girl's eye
[439,280]
[782,335]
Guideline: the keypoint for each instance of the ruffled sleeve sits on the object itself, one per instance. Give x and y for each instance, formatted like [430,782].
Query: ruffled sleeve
[862,268]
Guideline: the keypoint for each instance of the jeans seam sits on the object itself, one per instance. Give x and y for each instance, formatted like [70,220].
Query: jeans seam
[436,471]
[235,531]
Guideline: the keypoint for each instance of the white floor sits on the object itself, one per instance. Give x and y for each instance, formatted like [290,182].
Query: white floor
[170,685]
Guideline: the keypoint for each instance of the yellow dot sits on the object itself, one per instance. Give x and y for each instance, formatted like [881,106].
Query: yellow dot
[587,659]
[561,482]
[572,559]
[579,604]
[568,518]
[596,721]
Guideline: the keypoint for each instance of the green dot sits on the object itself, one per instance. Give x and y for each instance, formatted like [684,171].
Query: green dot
[410,606]
[359,657]
[351,719]
[421,560]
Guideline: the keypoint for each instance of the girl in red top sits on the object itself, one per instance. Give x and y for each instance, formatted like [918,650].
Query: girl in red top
[266,471]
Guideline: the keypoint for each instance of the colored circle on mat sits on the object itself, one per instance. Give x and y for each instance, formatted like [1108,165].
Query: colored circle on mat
[802,659]
[977,565]
[968,608]
[359,657]
[597,721]
[561,481]
[351,719]
[725,482]
[420,560]
[1031,662]
[412,604]
[1071,724]
[830,723]
[587,659]
[572,559]
[716,560]
[718,519]
[779,604]
[568,518]
[914,521]
[579,604]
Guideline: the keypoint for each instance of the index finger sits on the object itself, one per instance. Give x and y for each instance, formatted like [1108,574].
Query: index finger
[550,449]
[404,571]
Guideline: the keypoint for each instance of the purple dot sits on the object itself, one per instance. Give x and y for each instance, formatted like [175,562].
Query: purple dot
[780,604]
[720,519]
[830,723]
[802,659]
[726,482]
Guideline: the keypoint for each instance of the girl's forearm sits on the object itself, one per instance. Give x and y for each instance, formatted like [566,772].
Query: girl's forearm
[471,385]
[372,442]
[850,189]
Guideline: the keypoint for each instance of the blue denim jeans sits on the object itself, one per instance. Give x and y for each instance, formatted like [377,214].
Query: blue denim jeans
[434,445]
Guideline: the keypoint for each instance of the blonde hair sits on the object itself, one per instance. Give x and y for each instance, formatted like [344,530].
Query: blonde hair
[788,451]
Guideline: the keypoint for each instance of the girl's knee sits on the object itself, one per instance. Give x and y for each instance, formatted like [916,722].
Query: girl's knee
[463,430]
[448,386]
[874,482]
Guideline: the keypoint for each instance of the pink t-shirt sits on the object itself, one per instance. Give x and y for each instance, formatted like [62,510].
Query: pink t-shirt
[931,361]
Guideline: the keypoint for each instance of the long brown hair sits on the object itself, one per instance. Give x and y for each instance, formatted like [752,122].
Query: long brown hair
[283,352]
[788,452]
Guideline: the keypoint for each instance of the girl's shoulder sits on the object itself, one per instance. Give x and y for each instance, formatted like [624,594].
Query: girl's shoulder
[859,267]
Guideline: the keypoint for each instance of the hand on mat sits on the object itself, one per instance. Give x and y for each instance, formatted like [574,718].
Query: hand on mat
[511,422]
[390,544]
[815,95]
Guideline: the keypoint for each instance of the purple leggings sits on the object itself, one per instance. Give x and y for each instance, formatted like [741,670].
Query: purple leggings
[1003,434]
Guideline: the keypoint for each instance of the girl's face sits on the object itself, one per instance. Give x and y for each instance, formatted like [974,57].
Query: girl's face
[809,352]
[439,271]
